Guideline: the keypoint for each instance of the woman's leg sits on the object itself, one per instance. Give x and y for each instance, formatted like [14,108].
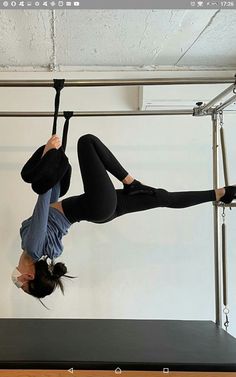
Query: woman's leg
[101,202]
[160,198]
[99,199]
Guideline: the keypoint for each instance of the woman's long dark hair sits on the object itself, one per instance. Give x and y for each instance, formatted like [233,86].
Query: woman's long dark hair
[47,278]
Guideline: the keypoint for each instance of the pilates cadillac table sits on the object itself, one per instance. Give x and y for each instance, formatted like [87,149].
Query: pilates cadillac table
[108,347]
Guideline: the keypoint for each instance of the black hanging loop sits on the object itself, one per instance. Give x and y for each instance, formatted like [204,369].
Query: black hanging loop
[58,85]
[43,172]
[65,180]
[67,115]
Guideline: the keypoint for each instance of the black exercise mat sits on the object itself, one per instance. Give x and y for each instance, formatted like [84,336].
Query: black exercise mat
[107,344]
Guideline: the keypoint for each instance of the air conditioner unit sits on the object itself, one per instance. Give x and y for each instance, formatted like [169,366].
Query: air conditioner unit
[177,97]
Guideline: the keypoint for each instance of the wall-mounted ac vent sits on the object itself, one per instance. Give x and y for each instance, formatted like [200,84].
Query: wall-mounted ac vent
[177,97]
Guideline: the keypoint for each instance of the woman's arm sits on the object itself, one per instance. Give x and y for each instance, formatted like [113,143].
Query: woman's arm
[55,195]
[37,231]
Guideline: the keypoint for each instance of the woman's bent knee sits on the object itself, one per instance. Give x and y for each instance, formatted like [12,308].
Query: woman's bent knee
[86,138]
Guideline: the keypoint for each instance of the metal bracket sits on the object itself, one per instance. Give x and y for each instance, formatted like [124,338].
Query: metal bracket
[197,111]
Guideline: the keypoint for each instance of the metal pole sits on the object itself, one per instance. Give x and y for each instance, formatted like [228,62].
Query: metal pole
[224,263]
[224,156]
[98,113]
[119,82]
[217,98]
[225,104]
[218,298]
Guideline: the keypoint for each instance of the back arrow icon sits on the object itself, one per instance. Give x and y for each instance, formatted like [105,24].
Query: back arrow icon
[71,370]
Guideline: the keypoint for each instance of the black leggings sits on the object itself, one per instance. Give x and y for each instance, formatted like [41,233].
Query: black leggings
[101,202]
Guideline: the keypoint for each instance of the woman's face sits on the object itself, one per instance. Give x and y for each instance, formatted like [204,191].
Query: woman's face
[26,267]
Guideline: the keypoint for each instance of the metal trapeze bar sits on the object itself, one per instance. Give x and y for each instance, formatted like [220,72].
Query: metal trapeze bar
[217,98]
[98,113]
[119,82]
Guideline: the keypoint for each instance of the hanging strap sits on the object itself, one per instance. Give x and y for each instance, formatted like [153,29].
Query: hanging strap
[224,264]
[58,85]
[223,148]
[225,298]
[67,116]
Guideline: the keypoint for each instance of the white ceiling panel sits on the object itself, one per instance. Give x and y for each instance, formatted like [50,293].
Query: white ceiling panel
[117,38]
[25,38]
[128,37]
[217,45]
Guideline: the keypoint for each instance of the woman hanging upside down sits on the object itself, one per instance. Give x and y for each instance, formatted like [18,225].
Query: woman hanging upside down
[42,233]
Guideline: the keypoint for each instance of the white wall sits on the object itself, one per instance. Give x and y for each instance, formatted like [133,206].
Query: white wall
[157,264]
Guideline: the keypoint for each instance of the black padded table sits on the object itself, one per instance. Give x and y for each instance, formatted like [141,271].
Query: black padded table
[107,344]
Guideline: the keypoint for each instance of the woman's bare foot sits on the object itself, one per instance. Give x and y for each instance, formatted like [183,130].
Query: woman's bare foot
[128,180]
[219,193]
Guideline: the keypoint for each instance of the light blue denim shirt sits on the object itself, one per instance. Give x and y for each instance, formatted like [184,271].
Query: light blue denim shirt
[41,234]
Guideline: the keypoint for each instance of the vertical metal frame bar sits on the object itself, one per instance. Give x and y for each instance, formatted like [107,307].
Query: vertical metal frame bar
[218,293]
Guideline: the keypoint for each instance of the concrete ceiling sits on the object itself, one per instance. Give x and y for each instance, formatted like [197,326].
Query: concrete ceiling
[51,40]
